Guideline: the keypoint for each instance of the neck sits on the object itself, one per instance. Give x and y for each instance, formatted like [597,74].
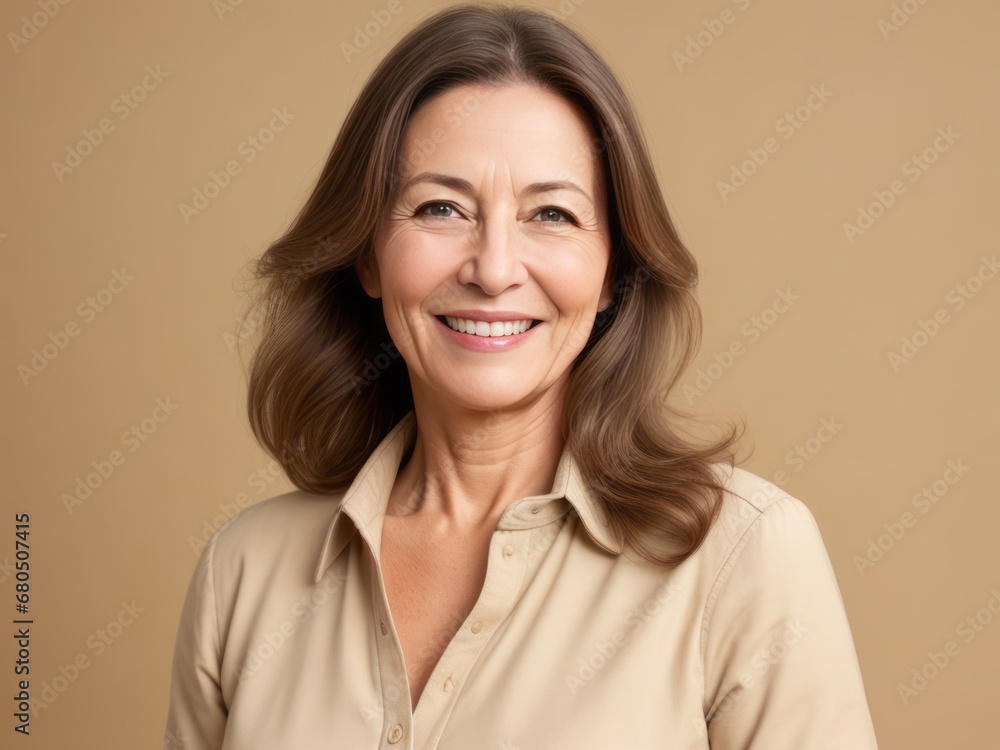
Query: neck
[468,465]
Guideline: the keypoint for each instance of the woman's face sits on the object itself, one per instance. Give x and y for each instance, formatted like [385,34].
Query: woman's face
[480,243]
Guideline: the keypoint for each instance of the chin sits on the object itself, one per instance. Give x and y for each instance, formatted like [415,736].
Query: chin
[492,401]
[487,396]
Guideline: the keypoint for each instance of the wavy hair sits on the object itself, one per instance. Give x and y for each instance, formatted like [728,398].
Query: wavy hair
[326,383]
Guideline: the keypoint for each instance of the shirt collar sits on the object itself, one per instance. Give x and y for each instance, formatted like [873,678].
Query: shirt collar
[363,505]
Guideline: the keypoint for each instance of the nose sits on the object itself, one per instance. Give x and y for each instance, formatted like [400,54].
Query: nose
[495,262]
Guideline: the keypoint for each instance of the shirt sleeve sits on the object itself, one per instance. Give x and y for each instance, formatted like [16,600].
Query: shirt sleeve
[196,718]
[781,670]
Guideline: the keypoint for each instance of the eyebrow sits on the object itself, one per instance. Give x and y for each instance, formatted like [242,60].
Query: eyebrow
[464,186]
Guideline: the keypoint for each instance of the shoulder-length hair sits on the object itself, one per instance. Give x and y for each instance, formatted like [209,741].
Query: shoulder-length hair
[326,383]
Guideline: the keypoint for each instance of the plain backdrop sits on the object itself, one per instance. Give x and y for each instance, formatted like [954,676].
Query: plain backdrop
[830,165]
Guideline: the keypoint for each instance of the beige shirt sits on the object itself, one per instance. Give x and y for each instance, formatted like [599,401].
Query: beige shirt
[286,640]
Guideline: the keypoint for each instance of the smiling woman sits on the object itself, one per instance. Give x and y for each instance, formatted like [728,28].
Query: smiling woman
[507,538]
[460,262]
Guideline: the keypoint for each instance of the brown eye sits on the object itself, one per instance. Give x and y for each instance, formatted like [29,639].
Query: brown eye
[423,210]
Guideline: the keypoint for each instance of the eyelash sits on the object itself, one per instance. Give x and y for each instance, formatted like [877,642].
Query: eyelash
[570,218]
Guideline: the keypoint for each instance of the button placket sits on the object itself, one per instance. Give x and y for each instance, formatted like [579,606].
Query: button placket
[505,573]
[394,682]
[506,551]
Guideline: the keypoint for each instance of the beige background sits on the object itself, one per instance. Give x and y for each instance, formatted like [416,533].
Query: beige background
[164,335]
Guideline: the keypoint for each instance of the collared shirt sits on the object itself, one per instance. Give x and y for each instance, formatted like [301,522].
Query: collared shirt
[286,639]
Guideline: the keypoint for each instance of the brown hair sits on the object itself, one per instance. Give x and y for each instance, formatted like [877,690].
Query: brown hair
[326,383]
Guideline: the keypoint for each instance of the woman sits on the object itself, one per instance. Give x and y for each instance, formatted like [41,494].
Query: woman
[501,537]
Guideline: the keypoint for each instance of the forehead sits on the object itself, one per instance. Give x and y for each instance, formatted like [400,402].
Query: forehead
[521,130]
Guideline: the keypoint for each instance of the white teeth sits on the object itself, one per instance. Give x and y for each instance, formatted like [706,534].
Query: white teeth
[482,328]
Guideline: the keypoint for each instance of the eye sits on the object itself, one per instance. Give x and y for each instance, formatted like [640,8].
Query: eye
[551,214]
[422,211]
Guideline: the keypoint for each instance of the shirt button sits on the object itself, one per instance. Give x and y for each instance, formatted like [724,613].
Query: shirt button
[508,550]
[384,628]
[448,685]
[477,626]
[395,734]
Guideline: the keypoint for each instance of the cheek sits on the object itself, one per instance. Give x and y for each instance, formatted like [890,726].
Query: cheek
[413,267]
[574,279]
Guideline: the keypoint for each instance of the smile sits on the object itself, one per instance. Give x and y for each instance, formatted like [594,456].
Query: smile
[483,328]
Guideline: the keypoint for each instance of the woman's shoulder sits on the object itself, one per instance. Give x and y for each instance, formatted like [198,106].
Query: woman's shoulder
[293,524]
[755,507]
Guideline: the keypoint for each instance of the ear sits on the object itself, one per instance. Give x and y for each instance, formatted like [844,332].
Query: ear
[367,270]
